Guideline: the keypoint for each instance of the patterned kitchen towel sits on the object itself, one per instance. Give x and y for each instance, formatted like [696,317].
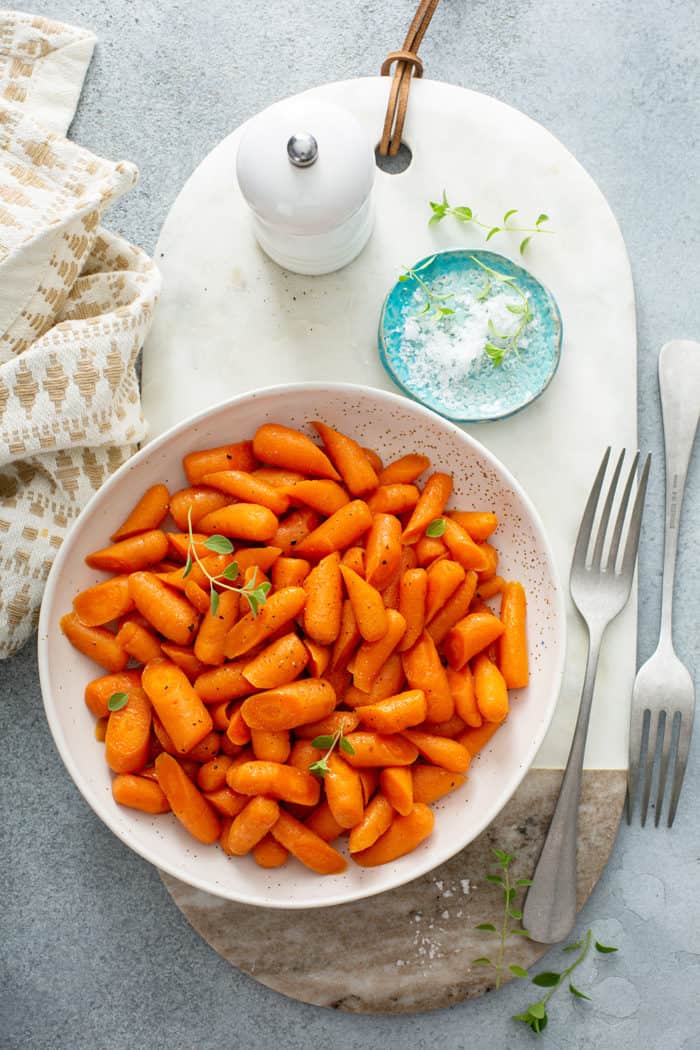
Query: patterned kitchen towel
[75,306]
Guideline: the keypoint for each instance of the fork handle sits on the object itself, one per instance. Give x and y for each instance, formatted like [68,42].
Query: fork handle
[549,912]
[679,383]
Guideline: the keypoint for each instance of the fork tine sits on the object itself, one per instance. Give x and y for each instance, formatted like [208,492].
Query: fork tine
[635,757]
[632,543]
[605,516]
[649,763]
[685,730]
[621,514]
[584,532]
[666,734]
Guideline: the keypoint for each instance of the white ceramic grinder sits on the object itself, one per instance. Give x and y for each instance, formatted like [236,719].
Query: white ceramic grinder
[306,169]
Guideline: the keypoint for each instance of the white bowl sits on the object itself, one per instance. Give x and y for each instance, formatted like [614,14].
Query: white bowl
[392,425]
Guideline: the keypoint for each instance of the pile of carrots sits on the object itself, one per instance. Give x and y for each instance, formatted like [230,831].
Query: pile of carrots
[346,695]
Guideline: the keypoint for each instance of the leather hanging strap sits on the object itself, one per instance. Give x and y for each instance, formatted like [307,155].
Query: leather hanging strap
[408,65]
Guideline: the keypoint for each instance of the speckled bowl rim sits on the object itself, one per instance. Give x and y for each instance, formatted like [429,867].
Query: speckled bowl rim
[48,622]
[386,364]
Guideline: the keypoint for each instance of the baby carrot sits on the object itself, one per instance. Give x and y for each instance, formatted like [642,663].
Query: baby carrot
[490,689]
[424,671]
[179,544]
[440,750]
[184,716]
[491,555]
[383,550]
[413,590]
[289,572]
[262,558]
[198,501]
[431,505]
[490,588]
[319,657]
[480,524]
[367,605]
[403,836]
[370,782]
[104,602]
[322,495]
[404,470]
[389,681]
[283,447]
[212,775]
[225,801]
[393,499]
[475,739]
[461,685]
[207,748]
[396,783]
[512,653]
[278,477]
[341,530]
[372,749]
[244,521]
[293,529]
[371,656]
[96,642]
[354,558]
[170,613]
[249,489]
[376,819]
[349,459]
[269,853]
[444,577]
[139,793]
[223,683]
[375,461]
[463,549]
[220,715]
[209,643]
[470,636]
[431,782]
[303,755]
[251,825]
[187,803]
[270,745]
[324,600]
[149,512]
[453,610]
[451,728]
[138,552]
[336,722]
[280,607]
[184,657]
[276,780]
[290,705]
[344,792]
[198,598]
[308,847]
[395,713]
[238,456]
[138,642]
[281,662]
[99,690]
[348,636]
[428,550]
[323,823]
[128,734]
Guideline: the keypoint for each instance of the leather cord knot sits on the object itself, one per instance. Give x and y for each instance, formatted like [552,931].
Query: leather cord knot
[404,56]
[408,65]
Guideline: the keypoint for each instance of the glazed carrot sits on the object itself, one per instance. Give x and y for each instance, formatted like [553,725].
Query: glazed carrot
[336,722]
[262,558]
[101,729]
[149,512]
[512,653]
[293,529]
[308,847]
[198,598]
[396,713]
[209,643]
[280,607]
[283,447]
[491,555]
[389,681]
[370,782]
[187,803]
[99,690]
[490,689]
[226,823]
[372,749]
[324,496]
[451,728]
[454,610]
[490,588]
[238,730]
[279,663]
[96,642]
[341,530]
[349,459]
[249,489]
[104,602]
[128,734]
[431,505]
[367,605]
[470,636]
[354,558]
[269,853]
[480,524]
[224,683]
[431,783]
[164,741]
[278,477]
[404,470]
[324,600]
[413,590]
[289,572]
[440,750]
[303,755]
[291,705]
[424,670]
[403,836]
[340,679]
[383,550]
[393,499]
[276,780]
[270,746]
[139,793]
[323,823]
[444,577]
[138,552]
[181,711]
[344,791]
[319,658]
[396,783]
[428,550]
[252,824]
[179,544]
[376,819]
[220,715]
[244,521]
[207,748]
[461,685]
[170,613]
[375,461]
[475,739]
[134,617]
[462,547]
[184,657]
[138,642]
[238,456]
[225,801]
[212,775]
[371,656]
[198,500]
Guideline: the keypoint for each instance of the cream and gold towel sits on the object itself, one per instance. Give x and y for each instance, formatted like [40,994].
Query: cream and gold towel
[75,305]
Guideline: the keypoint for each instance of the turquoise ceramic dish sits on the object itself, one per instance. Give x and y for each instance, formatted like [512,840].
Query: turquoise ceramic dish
[440,360]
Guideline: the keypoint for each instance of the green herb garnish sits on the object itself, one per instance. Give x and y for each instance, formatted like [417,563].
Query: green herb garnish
[254,593]
[509,891]
[433,301]
[329,741]
[440,209]
[117,701]
[500,344]
[436,528]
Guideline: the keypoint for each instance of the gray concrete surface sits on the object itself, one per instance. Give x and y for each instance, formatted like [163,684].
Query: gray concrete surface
[92,952]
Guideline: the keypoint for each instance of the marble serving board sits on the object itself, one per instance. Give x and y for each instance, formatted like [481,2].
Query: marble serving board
[230,320]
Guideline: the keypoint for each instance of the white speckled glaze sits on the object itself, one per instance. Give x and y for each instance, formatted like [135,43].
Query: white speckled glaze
[392,425]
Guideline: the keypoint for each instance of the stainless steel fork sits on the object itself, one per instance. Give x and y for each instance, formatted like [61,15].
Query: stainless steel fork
[664,697]
[600,583]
